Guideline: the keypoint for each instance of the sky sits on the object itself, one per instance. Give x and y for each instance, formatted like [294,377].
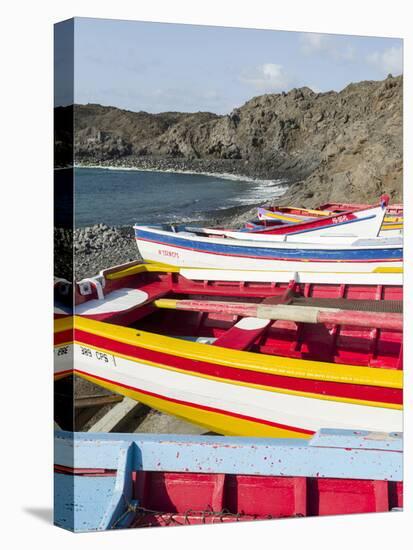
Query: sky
[158,67]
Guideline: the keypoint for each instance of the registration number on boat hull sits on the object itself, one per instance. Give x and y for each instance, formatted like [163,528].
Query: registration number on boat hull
[168,253]
[96,355]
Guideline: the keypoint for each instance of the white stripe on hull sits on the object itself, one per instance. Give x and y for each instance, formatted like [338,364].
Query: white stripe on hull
[392,279]
[181,257]
[290,410]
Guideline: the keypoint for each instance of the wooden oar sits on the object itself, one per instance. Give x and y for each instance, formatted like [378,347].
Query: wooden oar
[301,314]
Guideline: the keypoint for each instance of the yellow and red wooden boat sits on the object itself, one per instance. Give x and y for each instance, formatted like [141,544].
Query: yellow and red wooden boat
[241,353]
[393,220]
[294,215]
[393,210]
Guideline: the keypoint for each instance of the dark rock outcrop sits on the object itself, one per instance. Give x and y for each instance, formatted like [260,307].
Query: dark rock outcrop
[342,146]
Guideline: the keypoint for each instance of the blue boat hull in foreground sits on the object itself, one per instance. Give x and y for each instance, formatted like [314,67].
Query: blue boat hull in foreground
[107,481]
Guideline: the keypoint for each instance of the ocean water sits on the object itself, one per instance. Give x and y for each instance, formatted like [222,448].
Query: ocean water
[123,197]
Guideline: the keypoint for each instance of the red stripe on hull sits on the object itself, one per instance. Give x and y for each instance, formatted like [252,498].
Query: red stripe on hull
[334,389]
[197,406]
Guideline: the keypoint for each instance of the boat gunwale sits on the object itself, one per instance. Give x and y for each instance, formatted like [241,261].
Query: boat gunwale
[273,212]
[237,359]
[221,379]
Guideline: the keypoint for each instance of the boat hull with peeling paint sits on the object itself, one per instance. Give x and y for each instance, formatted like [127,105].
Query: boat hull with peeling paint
[112,481]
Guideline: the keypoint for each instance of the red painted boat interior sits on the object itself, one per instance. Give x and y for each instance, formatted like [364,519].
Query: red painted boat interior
[180,498]
[322,342]
[166,498]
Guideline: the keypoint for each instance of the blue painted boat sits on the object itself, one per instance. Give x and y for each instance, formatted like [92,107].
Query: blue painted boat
[111,481]
[235,250]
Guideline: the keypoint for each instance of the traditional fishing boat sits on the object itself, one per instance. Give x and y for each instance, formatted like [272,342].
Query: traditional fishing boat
[392,223]
[281,215]
[112,481]
[209,248]
[242,353]
[264,220]
[292,214]
[287,214]
[360,223]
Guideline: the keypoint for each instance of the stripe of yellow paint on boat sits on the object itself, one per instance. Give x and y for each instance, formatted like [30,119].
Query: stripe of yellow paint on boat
[385,269]
[273,389]
[63,324]
[390,226]
[297,368]
[141,268]
[380,269]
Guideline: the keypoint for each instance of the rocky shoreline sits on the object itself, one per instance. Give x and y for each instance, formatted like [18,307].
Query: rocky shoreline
[231,168]
[93,248]
[330,146]
[100,246]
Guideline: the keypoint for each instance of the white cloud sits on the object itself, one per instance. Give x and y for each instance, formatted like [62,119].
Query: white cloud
[268,77]
[389,61]
[313,42]
[335,47]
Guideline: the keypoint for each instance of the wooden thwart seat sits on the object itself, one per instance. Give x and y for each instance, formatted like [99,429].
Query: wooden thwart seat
[243,334]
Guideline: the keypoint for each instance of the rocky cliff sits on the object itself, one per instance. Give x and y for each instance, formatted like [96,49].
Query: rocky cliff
[339,146]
